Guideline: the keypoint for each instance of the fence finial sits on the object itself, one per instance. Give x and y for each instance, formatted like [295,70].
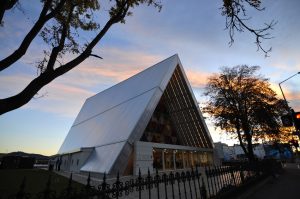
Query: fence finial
[48,182]
[69,184]
[104,177]
[89,180]
[70,179]
[203,191]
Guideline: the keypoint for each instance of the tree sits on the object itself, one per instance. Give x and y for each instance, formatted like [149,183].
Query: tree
[61,21]
[243,104]
[6,5]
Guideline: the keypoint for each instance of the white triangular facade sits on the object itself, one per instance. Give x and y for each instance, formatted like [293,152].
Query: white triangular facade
[111,121]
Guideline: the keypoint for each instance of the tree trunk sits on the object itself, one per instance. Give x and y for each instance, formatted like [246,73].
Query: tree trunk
[238,130]
[250,155]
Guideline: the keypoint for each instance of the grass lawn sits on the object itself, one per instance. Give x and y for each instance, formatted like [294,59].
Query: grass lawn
[36,180]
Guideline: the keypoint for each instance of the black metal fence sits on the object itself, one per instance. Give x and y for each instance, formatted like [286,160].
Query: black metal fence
[198,183]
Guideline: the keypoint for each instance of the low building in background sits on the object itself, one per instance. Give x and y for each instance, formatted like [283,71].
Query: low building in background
[17,162]
[261,151]
[149,121]
[258,150]
[225,152]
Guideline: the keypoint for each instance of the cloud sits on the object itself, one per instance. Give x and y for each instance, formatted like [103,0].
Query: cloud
[67,93]
[62,99]
[117,65]
[56,97]
[292,96]
[196,78]
[289,94]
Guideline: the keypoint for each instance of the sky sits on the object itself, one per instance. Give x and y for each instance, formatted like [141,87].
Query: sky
[194,29]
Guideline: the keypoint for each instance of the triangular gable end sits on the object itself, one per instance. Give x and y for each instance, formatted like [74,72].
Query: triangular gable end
[132,103]
[176,93]
[176,118]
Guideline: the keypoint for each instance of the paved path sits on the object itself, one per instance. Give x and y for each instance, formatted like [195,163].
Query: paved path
[286,186]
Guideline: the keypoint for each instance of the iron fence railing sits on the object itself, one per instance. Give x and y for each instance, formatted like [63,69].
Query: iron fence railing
[198,183]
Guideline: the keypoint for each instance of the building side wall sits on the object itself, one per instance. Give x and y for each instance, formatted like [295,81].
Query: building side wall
[143,156]
[143,159]
[74,161]
[78,160]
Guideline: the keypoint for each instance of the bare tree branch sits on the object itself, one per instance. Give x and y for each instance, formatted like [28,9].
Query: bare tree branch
[94,55]
[6,5]
[233,9]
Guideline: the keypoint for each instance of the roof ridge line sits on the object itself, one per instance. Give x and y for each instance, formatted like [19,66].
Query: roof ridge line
[113,107]
[132,76]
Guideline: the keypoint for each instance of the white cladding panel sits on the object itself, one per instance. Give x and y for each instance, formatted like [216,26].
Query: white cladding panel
[155,76]
[111,120]
[102,158]
[109,127]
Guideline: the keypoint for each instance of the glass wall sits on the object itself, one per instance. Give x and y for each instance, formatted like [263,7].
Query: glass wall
[179,159]
[157,159]
[196,159]
[160,128]
[170,159]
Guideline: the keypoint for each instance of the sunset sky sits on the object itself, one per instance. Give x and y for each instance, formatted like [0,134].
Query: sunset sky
[193,29]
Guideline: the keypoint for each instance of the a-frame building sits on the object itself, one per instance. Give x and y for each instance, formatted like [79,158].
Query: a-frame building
[151,120]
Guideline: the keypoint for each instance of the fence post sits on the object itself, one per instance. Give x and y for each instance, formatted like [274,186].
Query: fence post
[139,182]
[188,177]
[221,177]
[165,180]
[217,175]
[47,189]
[193,178]
[198,179]
[209,184]
[88,183]
[214,184]
[117,186]
[69,188]
[21,192]
[225,170]
[157,181]
[87,188]
[103,187]
[232,175]
[149,183]
[203,191]
[183,178]
[171,178]
[241,170]
[177,176]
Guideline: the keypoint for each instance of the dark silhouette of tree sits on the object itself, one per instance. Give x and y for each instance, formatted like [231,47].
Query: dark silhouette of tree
[60,23]
[243,104]
[6,5]
[236,20]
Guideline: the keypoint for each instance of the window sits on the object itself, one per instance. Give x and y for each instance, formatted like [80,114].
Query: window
[157,159]
[169,159]
[179,159]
